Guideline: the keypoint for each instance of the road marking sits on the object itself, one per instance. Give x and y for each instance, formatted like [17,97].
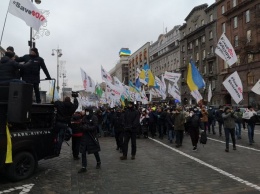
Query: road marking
[236,145]
[24,189]
[210,166]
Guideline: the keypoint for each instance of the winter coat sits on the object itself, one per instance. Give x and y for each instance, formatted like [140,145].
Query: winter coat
[179,121]
[9,69]
[89,141]
[152,117]
[75,125]
[65,110]
[170,118]
[204,117]
[31,73]
[117,121]
[219,117]
[229,120]
[131,120]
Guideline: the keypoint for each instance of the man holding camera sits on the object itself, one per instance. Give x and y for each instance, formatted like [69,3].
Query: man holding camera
[65,110]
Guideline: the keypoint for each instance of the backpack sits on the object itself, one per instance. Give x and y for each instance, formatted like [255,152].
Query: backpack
[67,134]
[203,138]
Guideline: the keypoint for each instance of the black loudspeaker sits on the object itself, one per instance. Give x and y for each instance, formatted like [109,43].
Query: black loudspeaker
[19,102]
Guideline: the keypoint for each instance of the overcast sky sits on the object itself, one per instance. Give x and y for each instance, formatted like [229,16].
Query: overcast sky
[91,32]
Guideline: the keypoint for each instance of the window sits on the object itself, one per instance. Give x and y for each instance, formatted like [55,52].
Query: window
[204,54]
[225,65]
[210,18]
[228,5]
[250,58]
[197,42]
[222,9]
[183,34]
[250,78]
[211,49]
[234,3]
[223,27]
[190,45]
[203,39]
[235,22]
[183,48]
[204,69]
[248,36]
[236,41]
[189,29]
[197,56]
[196,26]
[238,60]
[210,67]
[202,22]
[210,35]
[247,16]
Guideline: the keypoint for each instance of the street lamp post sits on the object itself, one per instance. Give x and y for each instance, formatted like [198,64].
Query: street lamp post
[31,42]
[58,54]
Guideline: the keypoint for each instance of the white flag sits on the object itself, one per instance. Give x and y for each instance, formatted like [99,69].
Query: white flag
[209,93]
[88,83]
[173,77]
[117,82]
[196,94]
[105,75]
[174,91]
[28,12]
[225,50]
[256,88]
[234,86]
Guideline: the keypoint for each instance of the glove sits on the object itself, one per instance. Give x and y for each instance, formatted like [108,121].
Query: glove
[47,78]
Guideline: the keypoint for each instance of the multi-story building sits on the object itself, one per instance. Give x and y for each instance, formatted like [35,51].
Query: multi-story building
[164,54]
[197,43]
[240,21]
[121,69]
[137,60]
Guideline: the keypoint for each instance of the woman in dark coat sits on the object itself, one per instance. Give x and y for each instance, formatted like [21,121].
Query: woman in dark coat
[89,141]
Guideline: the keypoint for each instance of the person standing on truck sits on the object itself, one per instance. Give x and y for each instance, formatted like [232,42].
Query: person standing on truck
[65,109]
[31,73]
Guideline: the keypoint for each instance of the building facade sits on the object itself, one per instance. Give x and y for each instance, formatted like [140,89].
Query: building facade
[2,52]
[164,54]
[240,21]
[137,60]
[197,43]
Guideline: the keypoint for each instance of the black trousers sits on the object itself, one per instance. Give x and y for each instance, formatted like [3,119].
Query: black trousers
[75,146]
[194,135]
[152,128]
[37,92]
[179,137]
[119,135]
[127,136]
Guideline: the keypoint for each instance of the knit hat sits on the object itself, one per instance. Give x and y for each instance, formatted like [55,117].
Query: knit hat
[10,48]
[35,50]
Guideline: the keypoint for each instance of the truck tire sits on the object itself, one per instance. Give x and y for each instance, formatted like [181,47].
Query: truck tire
[23,166]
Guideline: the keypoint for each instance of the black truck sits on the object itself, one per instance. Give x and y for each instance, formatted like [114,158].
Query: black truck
[31,128]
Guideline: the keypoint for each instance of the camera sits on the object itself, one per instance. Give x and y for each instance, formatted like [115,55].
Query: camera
[75,94]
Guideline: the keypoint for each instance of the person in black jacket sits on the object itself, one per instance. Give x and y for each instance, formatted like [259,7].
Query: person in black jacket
[64,110]
[9,68]
[152,121]
[89,141]
[131,122]
[170,124]
[75,125]
[220,119]
[194,122]
[31,73]
[118,127]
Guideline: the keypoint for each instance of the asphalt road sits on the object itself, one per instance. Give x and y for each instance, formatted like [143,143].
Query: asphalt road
[159,168]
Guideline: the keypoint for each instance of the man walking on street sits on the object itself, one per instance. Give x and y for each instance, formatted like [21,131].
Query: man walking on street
[130,121]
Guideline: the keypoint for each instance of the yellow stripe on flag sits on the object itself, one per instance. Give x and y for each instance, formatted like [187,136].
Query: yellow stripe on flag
[190,81]
[9,158]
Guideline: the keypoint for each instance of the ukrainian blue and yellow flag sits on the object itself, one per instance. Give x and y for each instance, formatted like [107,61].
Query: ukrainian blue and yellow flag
[124,52]
[147,75]
[194,79]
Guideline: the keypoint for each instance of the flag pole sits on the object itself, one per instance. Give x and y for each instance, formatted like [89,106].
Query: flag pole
[4,24]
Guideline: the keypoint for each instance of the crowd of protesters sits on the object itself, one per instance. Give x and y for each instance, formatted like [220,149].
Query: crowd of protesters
[161,121]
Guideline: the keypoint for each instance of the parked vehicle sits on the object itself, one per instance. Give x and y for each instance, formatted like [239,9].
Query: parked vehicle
[32,132]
